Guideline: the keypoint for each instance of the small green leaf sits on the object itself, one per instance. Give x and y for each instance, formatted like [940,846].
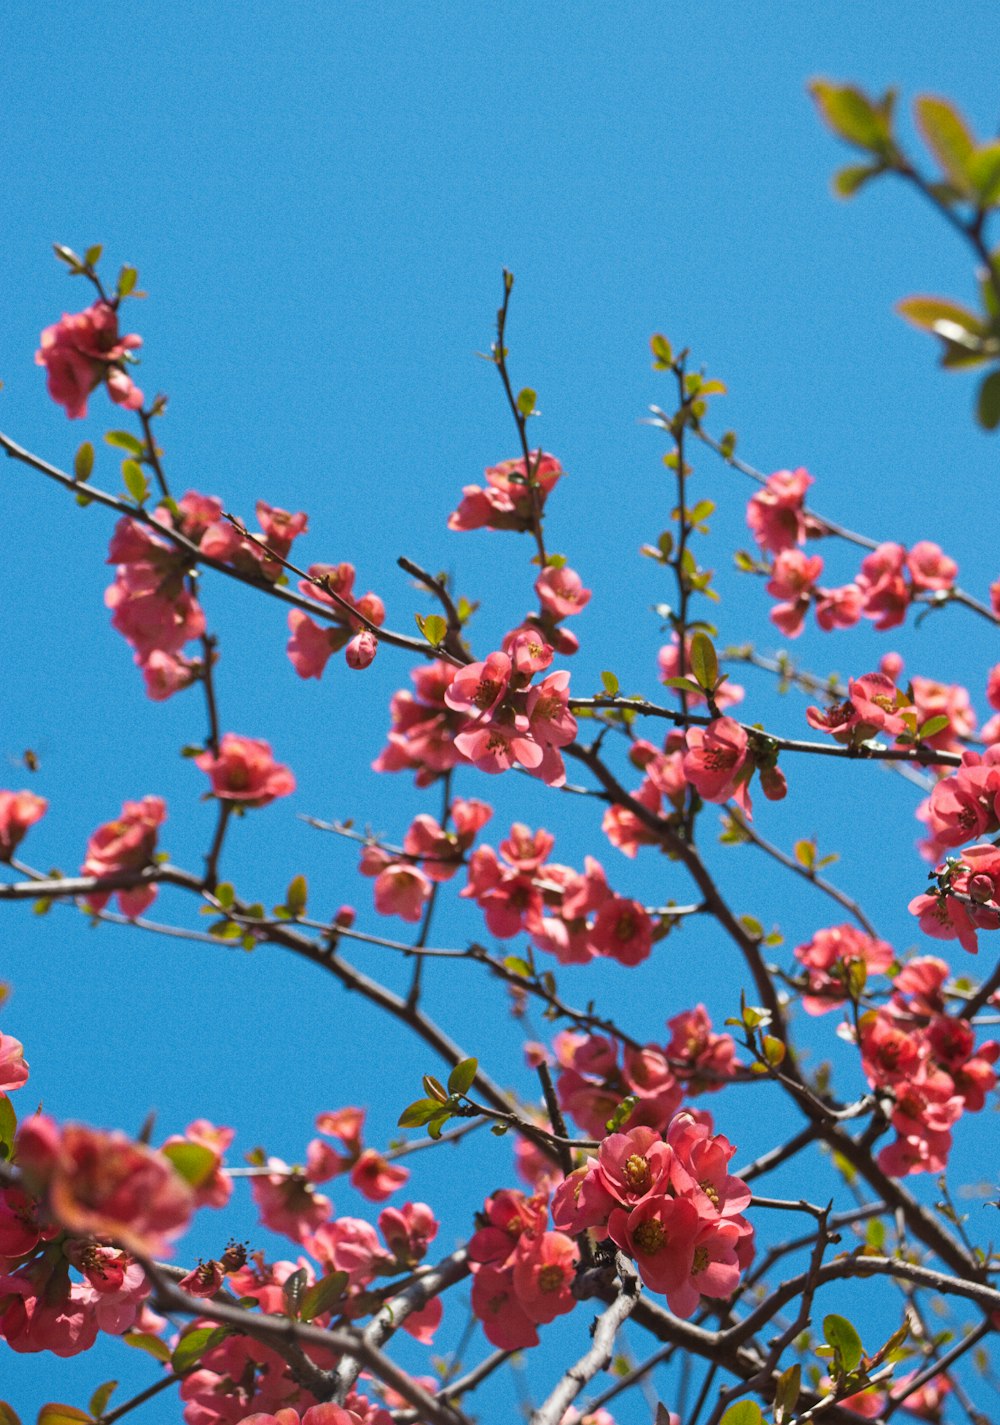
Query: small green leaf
[988,401]
[433,628]
[292,1288]
[945,133]
[101,1396]
[610,683]
[8,1126]
[841,1335]
[53,1414]
[526,401]
[421,1111]
[127,278]
[934,725]
[850,180]
[83,462]
[517,966]
[805,854]
[462,1075]
[296,895]
[323,1295]
[225,895]
[945,319]
[135,481]
[744,1412]
[704,661]
[662,353]
[688,685]
[67,255]
[852,116]
[787,1393]
[192,1346]
[193,1161]
[93,255]
[774,1050]
[622,1113]
[125,440]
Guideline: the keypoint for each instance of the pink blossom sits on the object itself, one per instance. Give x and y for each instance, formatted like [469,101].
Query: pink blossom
[543,1269]
[659,1233]
[872,706]
[623,930]
[127,844]
[561,591]
[244,771]
[716,761]
[375,1178]
[83,349]
[288,1203]
[929,567]
[884,590]
[360,652]
[831,958]
[507,501]
[776,515]
[98,1184]
[505,1323]
[479,688]
[18,812]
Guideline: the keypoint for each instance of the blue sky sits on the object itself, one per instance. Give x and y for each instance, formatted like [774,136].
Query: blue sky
[320,199]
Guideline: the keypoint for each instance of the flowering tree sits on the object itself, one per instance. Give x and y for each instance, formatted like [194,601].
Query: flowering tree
[623,1204]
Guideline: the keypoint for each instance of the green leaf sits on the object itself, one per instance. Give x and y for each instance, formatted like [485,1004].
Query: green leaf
[93,255]
[192,1346]
[852,116]
[53,1414]
[526,401]
[688,685]
[433,628]
[805,854]
[435,1126]
[83,462]
[662,353]
[774,1050]
[296,896]
[193,1161]
[945,319]
[704,661]
[622,1113]
[462,1075]
[292,1288]
[850,180]
[67,255]
[988,401]
[125,440]
[787,1393]
[984,173]
[421,1111]
[744,1412]
[8,1126]
[934,725]
[517,966]
[610,683]
[945,133]
[323,1295]
[127,278]
[135,481]
[225,895]
[841,1335]
[101,1396]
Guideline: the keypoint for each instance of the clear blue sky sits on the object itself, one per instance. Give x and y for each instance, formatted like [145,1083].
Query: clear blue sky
[320,199]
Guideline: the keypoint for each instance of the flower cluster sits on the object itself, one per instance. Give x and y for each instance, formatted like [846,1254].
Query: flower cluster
[838,962]
[371,1174]
[430,854]
[311,644]
[927,1064]
[152,601]
[523,1273]
[575,917]
[513,498]
[670,1203]
[592,1085]
[888,582]
[84,349]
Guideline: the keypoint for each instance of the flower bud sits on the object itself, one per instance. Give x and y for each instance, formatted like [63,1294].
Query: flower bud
[361,650]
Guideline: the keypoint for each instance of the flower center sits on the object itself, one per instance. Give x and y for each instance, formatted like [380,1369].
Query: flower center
[649,1236]
[637,1173]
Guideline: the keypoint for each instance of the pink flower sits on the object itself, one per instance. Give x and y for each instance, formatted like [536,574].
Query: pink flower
[775,514]
[18,811]
[561,591]
[833,957]
[13,1069]
[360,652]
[244,771]
[505,1322]
[660,1234]
[82,350]
[872,706]
[479,688]
[98,1184]
[544,1268]
[716,761]
[127,844]
[886,594]
[623,930]
[929,567]
[507,501]
[375,1178]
